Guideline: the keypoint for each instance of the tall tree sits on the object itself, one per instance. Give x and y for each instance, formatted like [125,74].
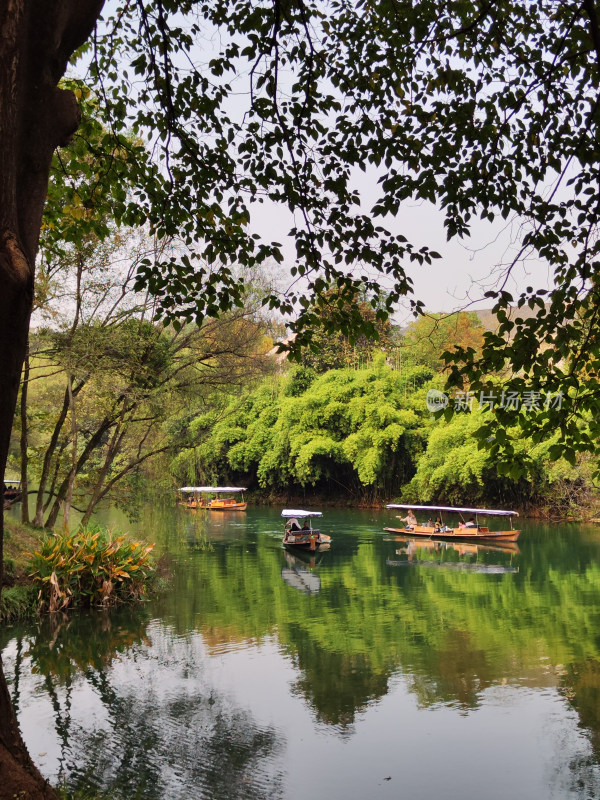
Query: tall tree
[431,335]
[38,38]
[331,349]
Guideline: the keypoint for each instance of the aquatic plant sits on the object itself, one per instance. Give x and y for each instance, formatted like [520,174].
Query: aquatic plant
[91,567]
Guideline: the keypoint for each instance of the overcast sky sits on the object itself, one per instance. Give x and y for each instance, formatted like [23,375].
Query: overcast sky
[458,280]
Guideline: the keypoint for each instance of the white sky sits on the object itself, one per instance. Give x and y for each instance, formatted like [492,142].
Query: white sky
[460,278]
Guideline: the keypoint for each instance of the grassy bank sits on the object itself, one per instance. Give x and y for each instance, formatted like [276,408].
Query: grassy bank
[18,600]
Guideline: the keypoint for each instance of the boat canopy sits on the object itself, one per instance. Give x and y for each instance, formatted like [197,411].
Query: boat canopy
[215,489]
[493,512]
[287,512]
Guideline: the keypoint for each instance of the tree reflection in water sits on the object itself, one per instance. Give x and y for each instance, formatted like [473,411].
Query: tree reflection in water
[484,649]
[193,744]
[148,730]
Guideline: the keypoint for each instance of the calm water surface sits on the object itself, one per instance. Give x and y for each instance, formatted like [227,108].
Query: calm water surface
[376,670]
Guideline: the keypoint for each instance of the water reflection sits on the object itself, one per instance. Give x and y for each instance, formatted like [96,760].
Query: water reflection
[254,655]
[144,726]
[299,576]
[453,555]
[300,572]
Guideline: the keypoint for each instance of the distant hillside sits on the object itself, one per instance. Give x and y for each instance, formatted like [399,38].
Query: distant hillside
[490,323]
[487,317]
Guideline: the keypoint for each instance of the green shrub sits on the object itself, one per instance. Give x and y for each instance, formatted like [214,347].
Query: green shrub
[10,570]
[17,602]
[92,567]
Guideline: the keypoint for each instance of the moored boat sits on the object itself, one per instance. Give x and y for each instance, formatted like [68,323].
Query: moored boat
[198,498]
[471,529]
[303,537]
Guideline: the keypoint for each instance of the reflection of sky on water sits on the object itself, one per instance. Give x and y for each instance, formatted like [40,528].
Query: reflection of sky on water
[178,718]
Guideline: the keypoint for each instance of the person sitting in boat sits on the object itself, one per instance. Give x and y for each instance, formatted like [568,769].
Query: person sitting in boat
[292,524]
[462,525]
[410,519]
[306,526]
[430,523]
[471,523]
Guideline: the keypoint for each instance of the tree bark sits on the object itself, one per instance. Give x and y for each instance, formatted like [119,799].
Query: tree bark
[73,471]
[92,443]
[112,450]
[37,38]
[40,505]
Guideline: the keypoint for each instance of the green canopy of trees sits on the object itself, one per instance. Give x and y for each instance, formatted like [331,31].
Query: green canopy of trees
[348,429]
[456,470]
[367,435]
[432,334]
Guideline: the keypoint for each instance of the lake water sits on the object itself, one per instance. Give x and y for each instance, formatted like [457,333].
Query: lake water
[375,670]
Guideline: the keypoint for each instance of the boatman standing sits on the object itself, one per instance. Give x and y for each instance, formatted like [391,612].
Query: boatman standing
[410,519]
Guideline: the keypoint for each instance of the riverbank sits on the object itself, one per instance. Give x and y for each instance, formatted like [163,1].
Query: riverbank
[586,511]
[18,599]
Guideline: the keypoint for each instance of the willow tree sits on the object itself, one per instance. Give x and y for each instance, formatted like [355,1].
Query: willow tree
[489,109]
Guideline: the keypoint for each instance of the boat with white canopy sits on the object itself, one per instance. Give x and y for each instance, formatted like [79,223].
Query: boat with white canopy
[200,497]
[474,527]
[299,533]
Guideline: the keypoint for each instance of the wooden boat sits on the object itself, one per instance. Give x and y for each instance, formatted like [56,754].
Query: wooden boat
[466,531]
[303,536]
[198,497]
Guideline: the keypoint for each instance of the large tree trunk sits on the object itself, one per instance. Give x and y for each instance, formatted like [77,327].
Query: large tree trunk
[37,38]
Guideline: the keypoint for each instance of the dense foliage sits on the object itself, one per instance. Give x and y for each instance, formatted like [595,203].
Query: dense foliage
[349,429]
[367,434]
[92,567]
[426,339]
[488,112]
[455,470]
[105,388]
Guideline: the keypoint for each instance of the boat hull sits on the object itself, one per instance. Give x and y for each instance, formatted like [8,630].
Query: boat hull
[305,540]
[222,505]
[464,534]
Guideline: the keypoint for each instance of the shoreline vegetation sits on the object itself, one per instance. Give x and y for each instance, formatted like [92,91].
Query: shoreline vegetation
[350,426]
[365,436]
[589,512]
[48,572]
